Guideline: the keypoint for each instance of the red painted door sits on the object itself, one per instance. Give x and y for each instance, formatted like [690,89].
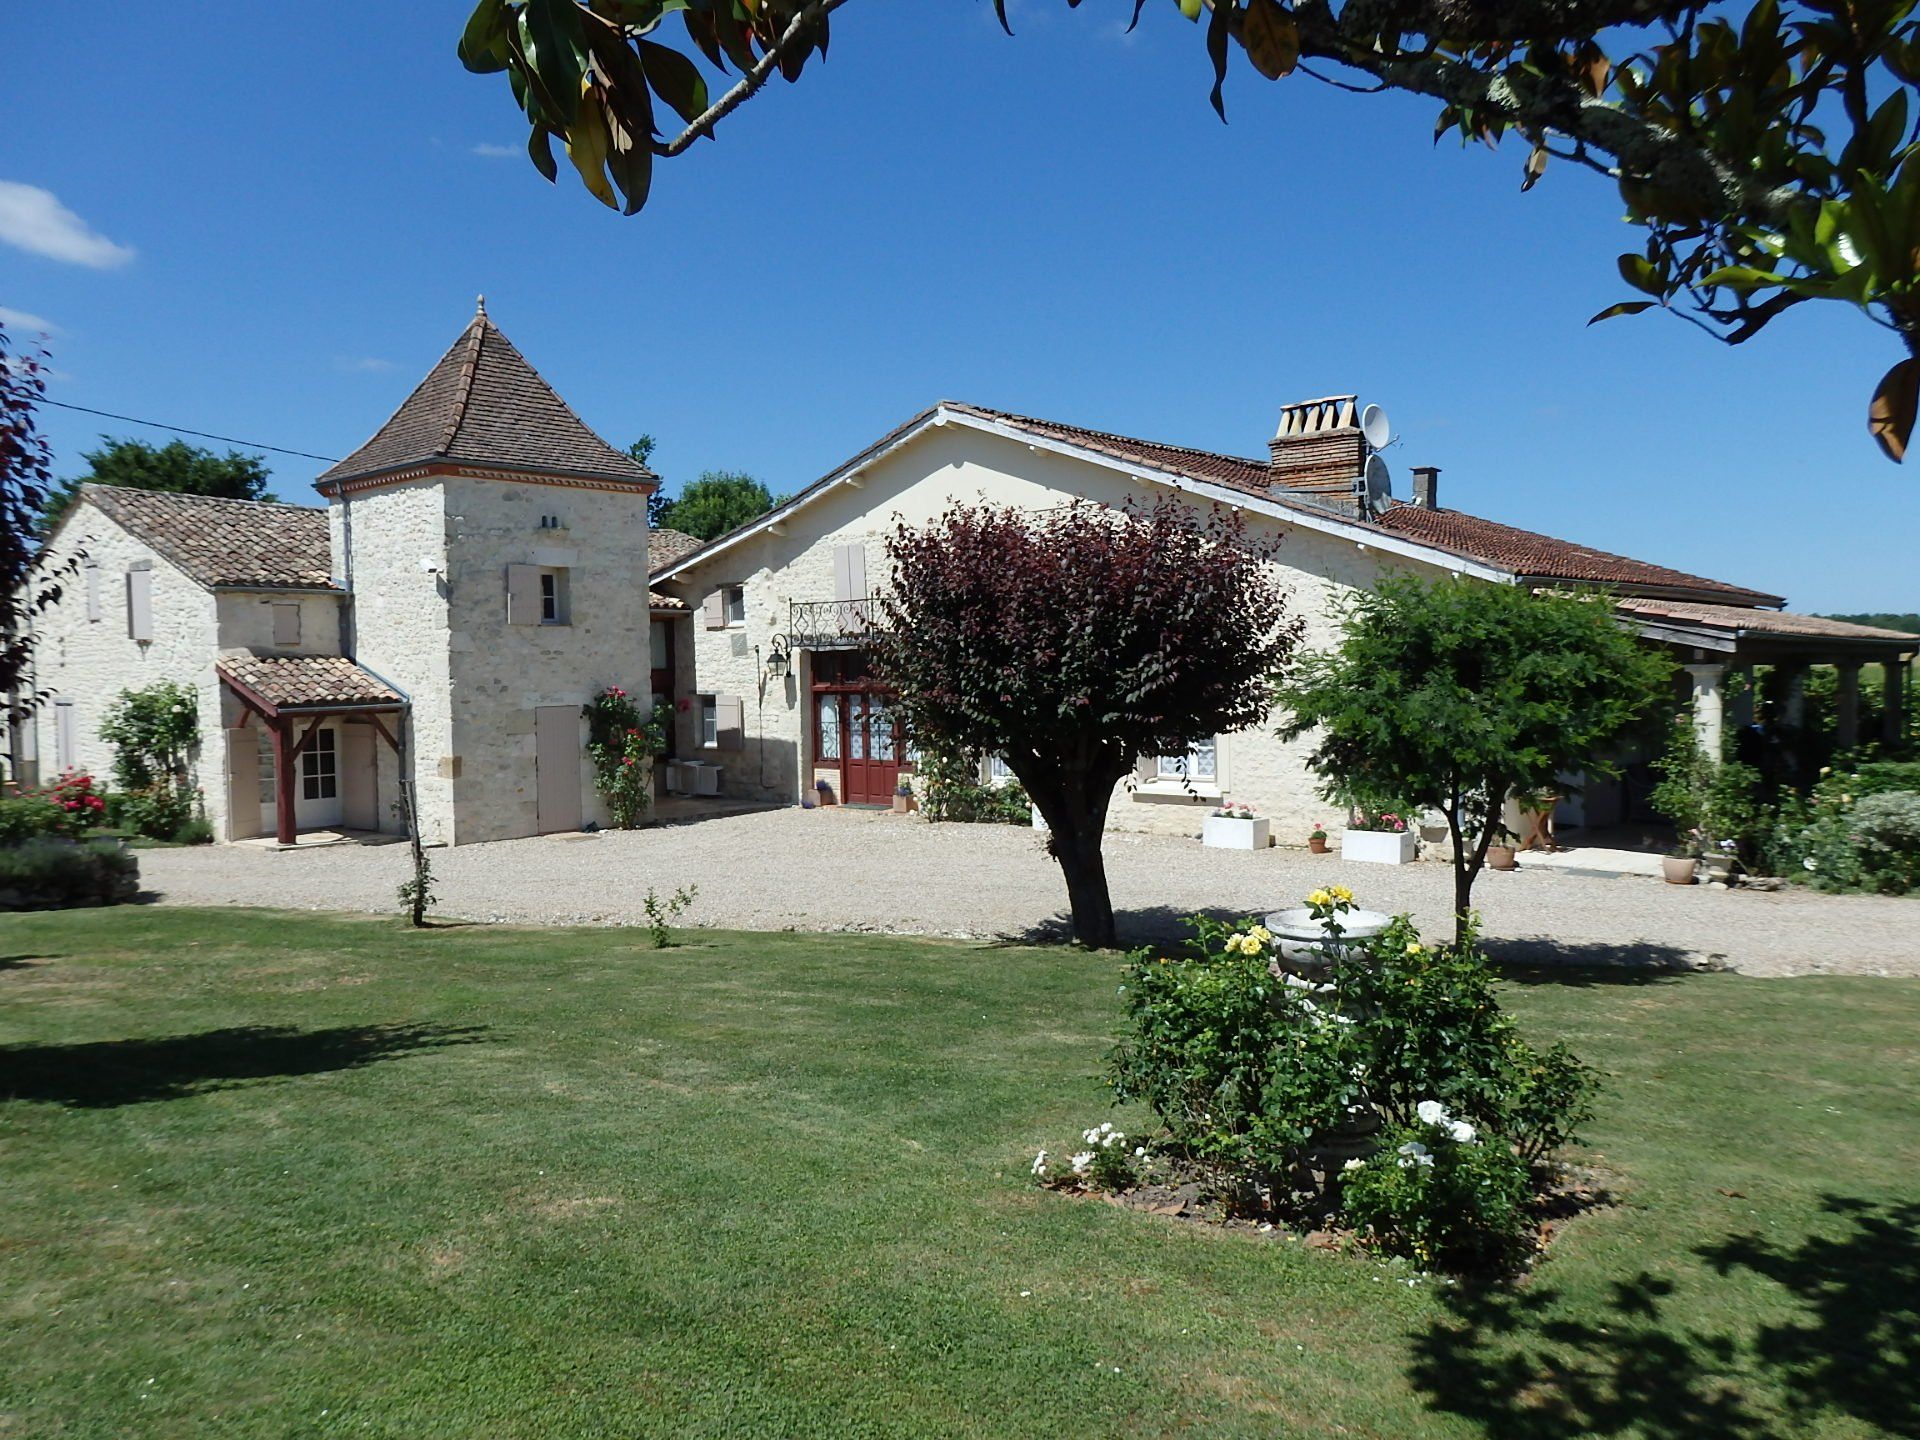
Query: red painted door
[873,750]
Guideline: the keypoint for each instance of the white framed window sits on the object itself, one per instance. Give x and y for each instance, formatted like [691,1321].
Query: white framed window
[710,721]
[554,596]
[998,771]
[269,792]
[319,768]
[1201,762]
[735,601]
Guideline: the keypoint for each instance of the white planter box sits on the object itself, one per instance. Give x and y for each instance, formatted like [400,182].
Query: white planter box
[1224,832]
[1377,847]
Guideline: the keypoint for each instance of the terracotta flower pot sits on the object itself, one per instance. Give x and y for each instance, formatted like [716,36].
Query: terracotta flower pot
[1500,857]
[1678,869]
[1317,844]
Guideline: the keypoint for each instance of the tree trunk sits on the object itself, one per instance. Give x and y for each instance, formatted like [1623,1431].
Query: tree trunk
[1074,802]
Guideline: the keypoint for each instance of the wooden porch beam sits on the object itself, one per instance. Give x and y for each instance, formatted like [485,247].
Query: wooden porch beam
[282,780]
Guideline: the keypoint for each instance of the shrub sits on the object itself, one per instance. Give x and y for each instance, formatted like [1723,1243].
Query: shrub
[161,811]
[152,731]
[28,817]
[1838,838]
[1888,825]
[1106,1163]
[83,806]
[50,873]
[951,790]
[622,743]
[1441,1193]
[1261,1078]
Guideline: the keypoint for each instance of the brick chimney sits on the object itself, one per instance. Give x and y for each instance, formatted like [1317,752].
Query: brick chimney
[1318,448]
[1426,486]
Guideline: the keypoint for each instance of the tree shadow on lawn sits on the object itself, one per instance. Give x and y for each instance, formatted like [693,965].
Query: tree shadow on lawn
[22,962]
[1521,1365]
[101,1074]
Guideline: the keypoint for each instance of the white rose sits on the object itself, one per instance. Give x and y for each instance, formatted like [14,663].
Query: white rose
[1431,1112]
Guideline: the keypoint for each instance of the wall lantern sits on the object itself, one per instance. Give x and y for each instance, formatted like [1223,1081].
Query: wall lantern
[779,658]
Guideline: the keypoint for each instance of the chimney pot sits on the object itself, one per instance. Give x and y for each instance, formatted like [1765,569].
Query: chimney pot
[1426,486]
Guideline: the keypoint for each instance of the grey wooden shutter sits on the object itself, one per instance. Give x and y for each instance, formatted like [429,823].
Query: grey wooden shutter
[140,604]
[93,589]
[286,624]
[66,739]
[856,572]
[842,573]
[523,594]
[713,610]
[729,722]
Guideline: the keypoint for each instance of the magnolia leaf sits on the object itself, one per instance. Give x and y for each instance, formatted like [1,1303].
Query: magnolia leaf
[587,146]
[1890,416]
[1271,38]
[1642,275]
[1217,34]
[675,80]
[1623,307]
[1536,167]
[483,46]
[540,151]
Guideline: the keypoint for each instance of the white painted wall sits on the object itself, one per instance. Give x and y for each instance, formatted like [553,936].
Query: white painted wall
[92,661]
[915,484]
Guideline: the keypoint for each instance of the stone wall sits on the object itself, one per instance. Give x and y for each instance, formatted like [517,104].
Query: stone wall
[390,550]
[915,484]
[501,673]
[90,662]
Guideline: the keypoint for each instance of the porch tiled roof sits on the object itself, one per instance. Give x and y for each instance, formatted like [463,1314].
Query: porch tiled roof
[484,405]
[225,542]
[1543,557]
[1766,622]
[308,682]
[658,601]
[664,545]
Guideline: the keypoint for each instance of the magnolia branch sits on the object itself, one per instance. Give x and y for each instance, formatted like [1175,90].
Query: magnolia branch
[751,82]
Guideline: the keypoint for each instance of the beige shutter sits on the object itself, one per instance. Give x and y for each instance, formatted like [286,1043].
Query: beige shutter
[856,572]
[93,589]
[730,722]
[523,594]
[713,610]
[1146,769]
[286,624]
[140,604]
[842,573]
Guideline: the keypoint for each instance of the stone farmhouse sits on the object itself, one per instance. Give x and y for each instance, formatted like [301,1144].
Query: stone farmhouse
[771,661]
[483,567]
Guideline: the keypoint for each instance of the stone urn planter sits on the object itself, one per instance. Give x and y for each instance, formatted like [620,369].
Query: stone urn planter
[1230,832]
[1717,869]
[1300,941]
[1678,869]
[1378,847]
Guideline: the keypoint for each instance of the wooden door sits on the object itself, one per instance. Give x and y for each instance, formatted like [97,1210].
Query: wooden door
[873,749]
[556,768]
[359,806]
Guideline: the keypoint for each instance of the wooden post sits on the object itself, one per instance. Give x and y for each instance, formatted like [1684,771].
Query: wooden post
[1846,705]
[1892,697]
[283,779]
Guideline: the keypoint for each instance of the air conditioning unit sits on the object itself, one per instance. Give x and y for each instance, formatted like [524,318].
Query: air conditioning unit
[676,778]
[706,779]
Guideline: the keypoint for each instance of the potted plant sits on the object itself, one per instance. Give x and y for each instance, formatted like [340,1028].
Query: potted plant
[1718,862]
[1378,837]
[902,798]
[1235,827]
[1500,854]
[1677,866]
[824,789]
[1317,841]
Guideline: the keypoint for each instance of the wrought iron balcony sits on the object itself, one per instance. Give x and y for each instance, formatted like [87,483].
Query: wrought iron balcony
[833,624]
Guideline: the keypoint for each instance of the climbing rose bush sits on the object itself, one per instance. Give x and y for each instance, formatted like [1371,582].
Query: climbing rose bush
[622,742]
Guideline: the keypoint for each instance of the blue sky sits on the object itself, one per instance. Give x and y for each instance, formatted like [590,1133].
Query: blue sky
[1054,223]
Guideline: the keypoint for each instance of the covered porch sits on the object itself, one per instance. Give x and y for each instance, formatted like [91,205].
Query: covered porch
[1722,644]
[305,735]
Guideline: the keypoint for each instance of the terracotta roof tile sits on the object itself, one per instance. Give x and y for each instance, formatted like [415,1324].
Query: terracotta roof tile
[307,682]
[1767,622]
[665,546]
[225,542]
[483,404]
[1543,557]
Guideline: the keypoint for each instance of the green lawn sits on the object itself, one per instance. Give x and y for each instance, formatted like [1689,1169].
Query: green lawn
[283,1175]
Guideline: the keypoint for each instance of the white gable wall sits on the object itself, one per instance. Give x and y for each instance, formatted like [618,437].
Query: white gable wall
[91,661]
[915,483]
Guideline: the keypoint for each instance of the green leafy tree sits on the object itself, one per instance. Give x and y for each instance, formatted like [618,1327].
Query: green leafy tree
[176,466]
[1074,641]
[1768,158]
[719,501]
[1455,693]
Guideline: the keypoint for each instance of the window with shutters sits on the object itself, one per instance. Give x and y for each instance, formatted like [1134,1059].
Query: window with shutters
[710,721]
[734,601]
[286,623]
[998,771]
[319,768]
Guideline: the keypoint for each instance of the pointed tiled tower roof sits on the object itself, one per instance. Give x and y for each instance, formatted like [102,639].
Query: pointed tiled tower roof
[484,405]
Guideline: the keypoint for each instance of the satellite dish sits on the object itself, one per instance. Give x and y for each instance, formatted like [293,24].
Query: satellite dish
[1377,483]
[1373,425]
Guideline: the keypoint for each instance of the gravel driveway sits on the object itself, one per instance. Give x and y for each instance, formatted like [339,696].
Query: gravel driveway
[864,870]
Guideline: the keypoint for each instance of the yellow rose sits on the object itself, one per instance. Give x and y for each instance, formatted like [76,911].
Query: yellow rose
[1413,947]
[1319,897]
[1343,895]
